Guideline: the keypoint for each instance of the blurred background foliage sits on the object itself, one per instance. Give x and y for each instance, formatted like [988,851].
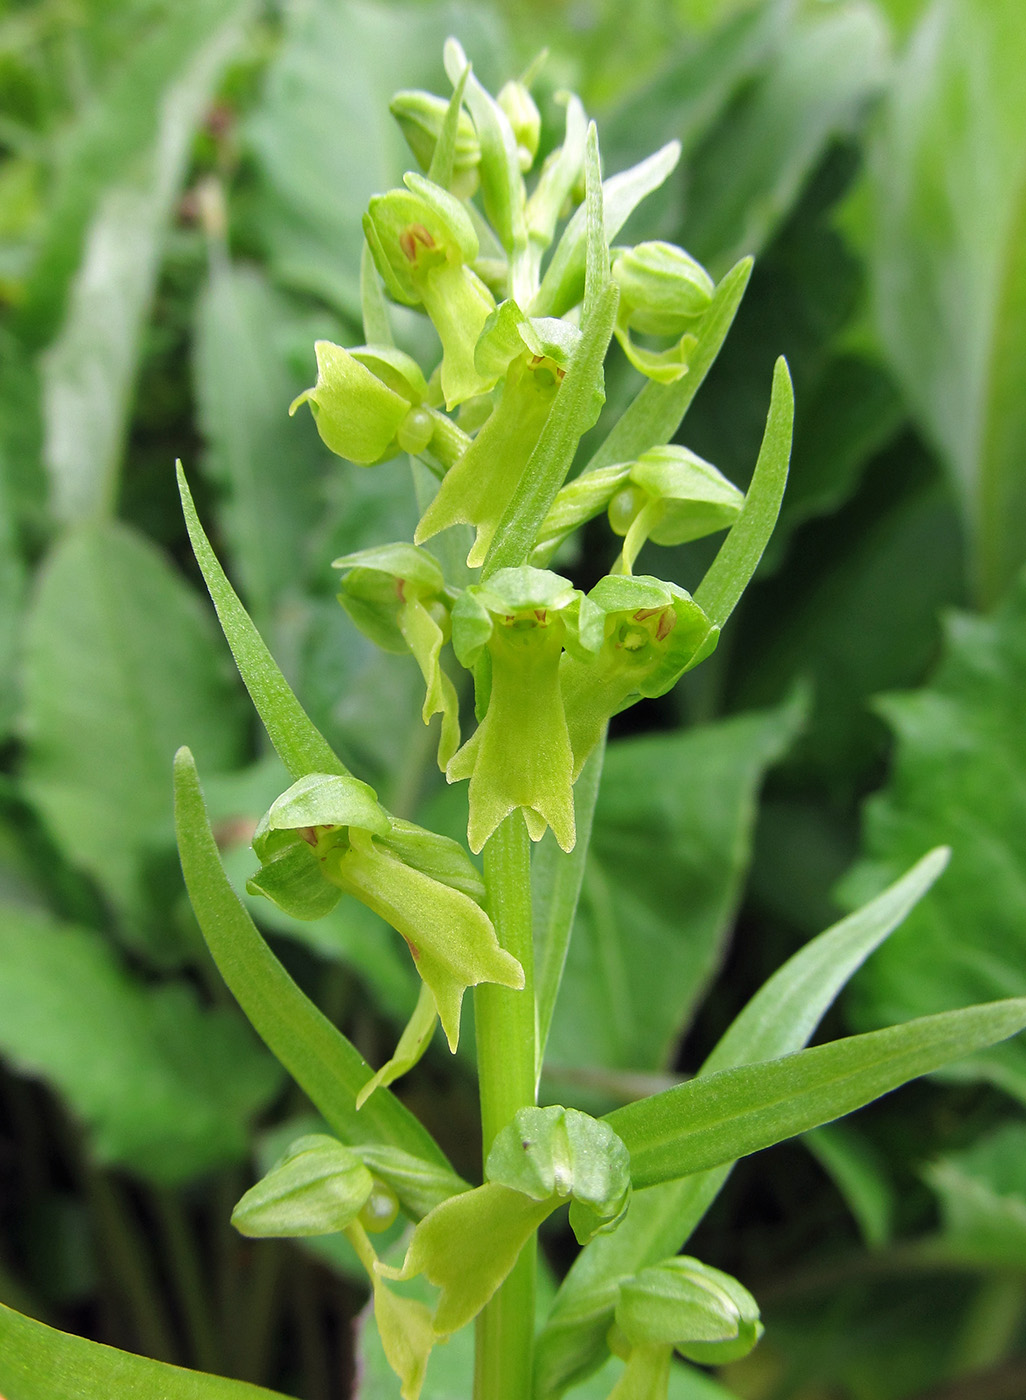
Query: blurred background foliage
[181,187]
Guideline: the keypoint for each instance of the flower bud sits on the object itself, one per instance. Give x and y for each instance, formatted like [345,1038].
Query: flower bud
[663,292]
[317,1188]
[684,1304]
[421,116]
[525,119]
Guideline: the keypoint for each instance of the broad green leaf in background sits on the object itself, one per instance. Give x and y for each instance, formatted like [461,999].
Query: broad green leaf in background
[831,63]
[670,847]
[960,770]
[89,369]
[946,245]
[320,1059]
[324,145]
[115,135]
[40,1363]
[266,465]
[121,666]
[982,1193]
[718,1117]
[164,1087]
[778,1020]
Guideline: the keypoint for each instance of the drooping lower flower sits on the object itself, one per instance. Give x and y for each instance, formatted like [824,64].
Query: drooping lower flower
[366,401]
[521,755]
[663,292]
[327,835]
[683,1305]
[396,595]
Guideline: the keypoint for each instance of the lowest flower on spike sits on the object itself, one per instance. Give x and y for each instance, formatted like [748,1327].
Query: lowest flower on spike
[327,836]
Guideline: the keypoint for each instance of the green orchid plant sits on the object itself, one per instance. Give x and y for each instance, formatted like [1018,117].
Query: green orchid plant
[517,275]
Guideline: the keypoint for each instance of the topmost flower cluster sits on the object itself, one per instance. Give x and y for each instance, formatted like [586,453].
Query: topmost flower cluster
[550,664]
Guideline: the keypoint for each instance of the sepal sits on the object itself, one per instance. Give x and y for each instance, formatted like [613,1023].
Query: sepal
[318,1187]
[672,496]
[413,1042]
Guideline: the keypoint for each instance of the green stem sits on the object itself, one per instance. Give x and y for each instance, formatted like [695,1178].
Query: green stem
[506,1037]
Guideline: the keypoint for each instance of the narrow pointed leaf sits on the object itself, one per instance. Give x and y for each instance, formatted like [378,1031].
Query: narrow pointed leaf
[734,565]
[780,1018]
[40,1363]
[320,1059]
[719,1117]
[300,745]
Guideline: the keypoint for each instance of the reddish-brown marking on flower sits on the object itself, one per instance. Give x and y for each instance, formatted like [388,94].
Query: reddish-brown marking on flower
[667,623]
[413,236]
[400,588]
[540,614]
[414,950]
[309,835]
[643,614]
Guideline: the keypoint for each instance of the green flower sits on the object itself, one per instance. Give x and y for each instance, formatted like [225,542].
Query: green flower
[397,597]
[683,1305]
[669,495]
[652,632]
[365,400]
[423,241]
[520,755]
[663,292]
[327,836]
[468,1244]
[478,489]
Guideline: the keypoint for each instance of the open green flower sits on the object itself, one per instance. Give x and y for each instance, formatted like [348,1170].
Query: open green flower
[652,633]
[423,243]
[327,836]
[366,401]
[520,755]
[396,595]
[533,357]
[469,1243]
[683,1305]
[663,292]
[669,495]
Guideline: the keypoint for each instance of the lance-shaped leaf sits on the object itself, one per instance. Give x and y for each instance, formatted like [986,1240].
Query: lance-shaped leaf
[652,633]
[469,1244]
[397,597]
[720,1117]
[520,754]
[479,488]
[320,1059]
[318,1187]
[357,415]
[298,742]
[334,826]
[33,1355]
[780,1018]
[423,242]
[684,1305]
